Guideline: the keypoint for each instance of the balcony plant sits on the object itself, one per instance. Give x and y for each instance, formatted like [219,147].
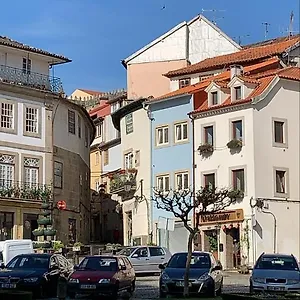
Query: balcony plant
[57,246]
[16,192]
[45,205]
[235,144]
[44,221]
[41,244]
[49,231]
[38,232]
[206,149]
[46,212]
[46,193]
[235,194]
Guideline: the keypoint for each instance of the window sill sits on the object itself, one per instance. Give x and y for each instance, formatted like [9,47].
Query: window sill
[181,142]
[281,195]
[32,134]
[162,146]
[280,145]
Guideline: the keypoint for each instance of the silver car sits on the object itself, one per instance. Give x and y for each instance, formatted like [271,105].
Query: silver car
[146,259]
[275,273]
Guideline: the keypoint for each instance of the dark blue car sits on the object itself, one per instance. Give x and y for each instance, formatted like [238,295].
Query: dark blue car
[205,275]
[37,273]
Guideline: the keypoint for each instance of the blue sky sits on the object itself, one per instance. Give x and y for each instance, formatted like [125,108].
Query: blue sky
[98,34]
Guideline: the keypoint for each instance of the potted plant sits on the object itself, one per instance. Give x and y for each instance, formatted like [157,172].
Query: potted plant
[235,144]
[77,246]
[45,193]
[45,205]
[235,194]
[50,231]
[57,246]
[44,221]
[206,149]
[46,212]
[38,232]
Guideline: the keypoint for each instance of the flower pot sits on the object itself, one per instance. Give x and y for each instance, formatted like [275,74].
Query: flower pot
[49,232]
[46,212]
[46,244]
[38,232]
[44,221]
[45,205]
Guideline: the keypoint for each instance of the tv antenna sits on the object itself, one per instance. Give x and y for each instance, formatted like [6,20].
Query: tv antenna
[214,13]
[266,29]
[291,23]
[239,38]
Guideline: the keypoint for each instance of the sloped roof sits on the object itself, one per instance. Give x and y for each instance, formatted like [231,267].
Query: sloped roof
[174,29]
[91,92]
[5,41]
[243,57]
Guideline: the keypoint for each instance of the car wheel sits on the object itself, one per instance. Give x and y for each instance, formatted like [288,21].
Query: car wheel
[72,295]
[162,294]
[114,294]
[131,289]
[251,289]
[212,292]
[219,291]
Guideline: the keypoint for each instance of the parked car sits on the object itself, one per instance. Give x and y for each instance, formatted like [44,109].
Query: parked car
[206,275]
[102,275]
[275,273]
[35,272]
[146,259]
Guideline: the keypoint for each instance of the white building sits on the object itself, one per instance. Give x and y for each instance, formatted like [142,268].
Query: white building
[259,115]
[44,146]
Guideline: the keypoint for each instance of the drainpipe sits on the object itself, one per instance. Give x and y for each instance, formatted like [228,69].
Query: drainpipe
[275,228]
[193,170]
[150,215]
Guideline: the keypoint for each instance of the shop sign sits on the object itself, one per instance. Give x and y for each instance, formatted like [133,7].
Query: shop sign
[229,216]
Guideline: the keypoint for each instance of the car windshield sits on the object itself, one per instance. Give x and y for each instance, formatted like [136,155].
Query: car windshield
[127,251]
[99,264]
[199,261]
[29,262]
[277,263]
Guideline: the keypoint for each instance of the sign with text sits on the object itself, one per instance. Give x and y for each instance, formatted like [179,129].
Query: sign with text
[221,217]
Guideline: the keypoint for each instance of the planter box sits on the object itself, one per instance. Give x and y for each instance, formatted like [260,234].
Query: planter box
[46,212]
[49,232]
[45,205]
[39,232]
[44,245]
[44,221]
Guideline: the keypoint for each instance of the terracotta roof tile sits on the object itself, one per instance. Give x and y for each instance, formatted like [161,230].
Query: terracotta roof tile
[292,73]
[243,57]
[101,110]
[92,93]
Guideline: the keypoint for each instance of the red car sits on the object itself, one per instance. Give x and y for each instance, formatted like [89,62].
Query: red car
[102,276]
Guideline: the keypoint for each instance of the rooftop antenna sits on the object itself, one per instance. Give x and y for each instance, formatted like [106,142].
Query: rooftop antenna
[214,12]
[239,38]
[291,24]
[266,29]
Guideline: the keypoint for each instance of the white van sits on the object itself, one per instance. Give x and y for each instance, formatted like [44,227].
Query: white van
[11,248]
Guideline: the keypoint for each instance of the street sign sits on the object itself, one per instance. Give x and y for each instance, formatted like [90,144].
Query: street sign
[61,205]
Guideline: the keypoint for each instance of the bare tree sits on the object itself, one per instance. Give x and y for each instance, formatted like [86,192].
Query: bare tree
[184,205]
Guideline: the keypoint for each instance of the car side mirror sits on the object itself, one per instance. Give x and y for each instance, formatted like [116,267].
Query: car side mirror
[122,268]
[161,266]
[134,255]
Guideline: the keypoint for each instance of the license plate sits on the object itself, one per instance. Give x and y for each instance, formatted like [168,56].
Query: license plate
[181,283]
[275,288]
[8,285]
[88,286]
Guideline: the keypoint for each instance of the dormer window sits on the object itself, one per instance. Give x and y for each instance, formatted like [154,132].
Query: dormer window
[184,82]
[238,92]
[214,98]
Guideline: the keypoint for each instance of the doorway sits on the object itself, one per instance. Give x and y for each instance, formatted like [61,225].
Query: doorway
[211,242]
[29,224]
[233,255]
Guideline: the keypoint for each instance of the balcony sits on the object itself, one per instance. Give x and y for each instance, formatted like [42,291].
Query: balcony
[123,182]
[16,190]
[34,80]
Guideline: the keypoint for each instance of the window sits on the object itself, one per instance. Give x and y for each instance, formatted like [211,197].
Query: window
[214,98]
[238,180]
[137,158]
[181,132]
[31,171]
[237,130]
[209,135]
[280,182]
[6,225]
[128,161]
[99,130]
[129,123]
[163,183]
[162,135]
[7,170]
[26,65]
[31,120]
[79,127]
[58,175]
[238,92]
[7,115]
[71,121]
[105,157]
[86,136]
[156,251]
[182,181]
[142,252]
[97,158]
[184,82]
[210,180]
[279,132]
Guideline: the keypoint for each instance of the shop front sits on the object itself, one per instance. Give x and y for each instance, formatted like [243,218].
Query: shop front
[220,233]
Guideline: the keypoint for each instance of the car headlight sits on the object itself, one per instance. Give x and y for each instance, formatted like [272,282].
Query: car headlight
[165,276]
[104,280]
[258,280]
[31,279]
[293,281]
[73,280]
[204,277]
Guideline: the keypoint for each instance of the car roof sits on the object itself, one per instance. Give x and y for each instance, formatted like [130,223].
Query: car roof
[194,252]
[103,256]
[277,255]
[37,254]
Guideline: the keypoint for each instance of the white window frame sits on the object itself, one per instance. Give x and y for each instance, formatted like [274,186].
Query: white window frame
[184,82]
[99,130]
[162,129]
[7,170]
[285,133]
[26,65]
[71,122]
[129,160]
[181,125]
[161,183]
[285,194]
[32,122]
[31,172]
[7,112]
[180,176]
[129,123]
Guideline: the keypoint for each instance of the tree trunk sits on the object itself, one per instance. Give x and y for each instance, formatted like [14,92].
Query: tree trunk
[188,263]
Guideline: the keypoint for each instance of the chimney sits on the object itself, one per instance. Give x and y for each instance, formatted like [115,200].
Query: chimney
[236,70]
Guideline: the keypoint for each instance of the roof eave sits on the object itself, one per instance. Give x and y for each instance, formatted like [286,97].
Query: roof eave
[154,101]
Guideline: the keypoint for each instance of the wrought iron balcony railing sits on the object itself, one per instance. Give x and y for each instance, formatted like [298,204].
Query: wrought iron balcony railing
[23,77]
[24,190]
[123,182]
